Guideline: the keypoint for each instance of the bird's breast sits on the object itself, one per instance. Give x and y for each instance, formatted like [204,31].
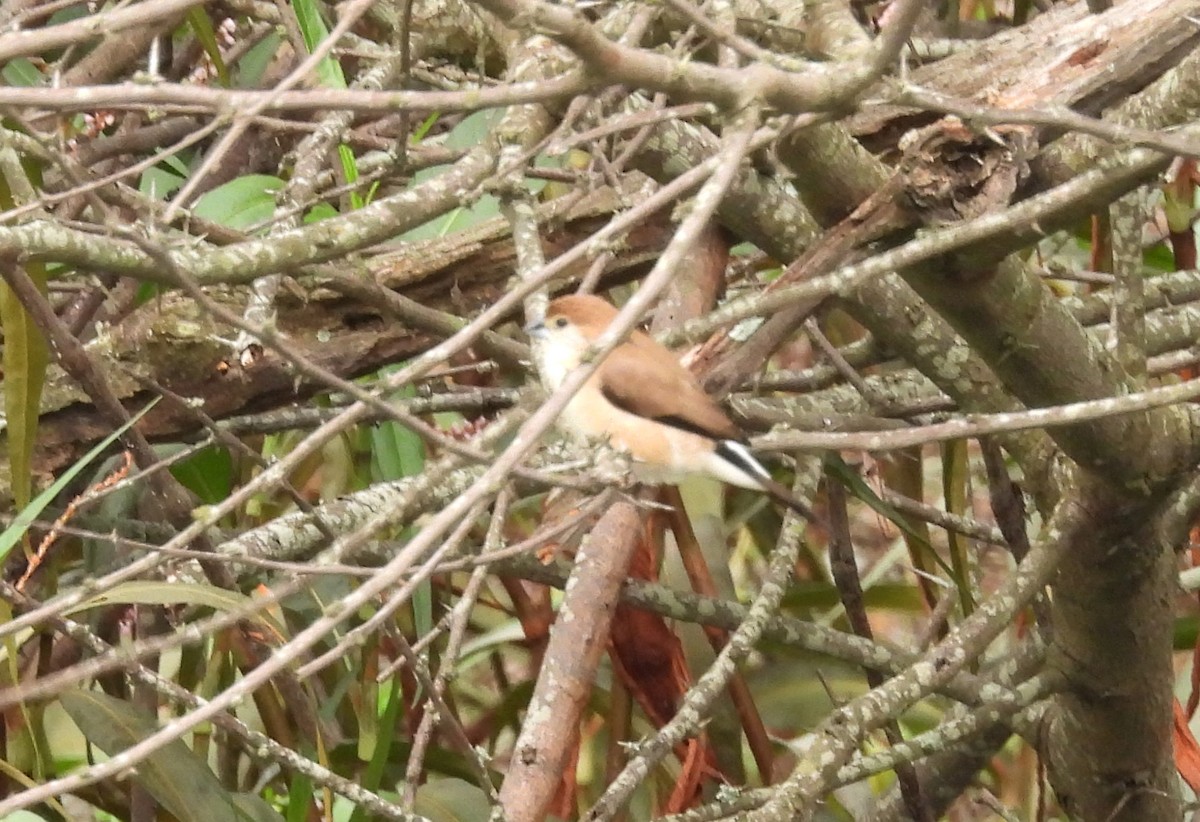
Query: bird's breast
[665,453]
[553,362]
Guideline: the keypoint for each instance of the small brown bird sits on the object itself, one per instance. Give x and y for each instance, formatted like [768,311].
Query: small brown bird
[643,401]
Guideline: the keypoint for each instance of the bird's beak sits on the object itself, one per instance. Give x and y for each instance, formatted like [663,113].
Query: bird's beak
[536,328]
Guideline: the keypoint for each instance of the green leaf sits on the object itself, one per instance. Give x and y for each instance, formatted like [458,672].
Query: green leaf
[537,186]
[158,182]
[470,132]
[476,649]
[156,592]
[314,30]
[202,27]
[149,291]
[20,72]
[176,163]
[240,203]
[350,171]
[208,474]
[483,209]
[175,776]
[254,62]
[254,808]
[26,354]
[955,478]
[382,750]
[420,131]
[26,358]
[1159,258]
[451,800]
[837,468]
[900,597]
[474,128]
[422,608]
[320,211]
[398,452]
[28,756]
[11,535]
[1186,633]
[299,797]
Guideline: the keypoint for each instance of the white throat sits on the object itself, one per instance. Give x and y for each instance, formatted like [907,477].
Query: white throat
[555,358]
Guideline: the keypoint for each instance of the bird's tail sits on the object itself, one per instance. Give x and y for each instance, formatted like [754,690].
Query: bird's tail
[739,457]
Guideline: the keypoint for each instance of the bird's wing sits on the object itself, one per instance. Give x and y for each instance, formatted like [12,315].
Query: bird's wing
[643,378]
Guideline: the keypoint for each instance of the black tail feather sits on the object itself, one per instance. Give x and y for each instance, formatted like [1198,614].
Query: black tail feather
[737,455]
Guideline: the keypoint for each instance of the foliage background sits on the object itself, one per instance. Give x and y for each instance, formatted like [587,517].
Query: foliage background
[286,533]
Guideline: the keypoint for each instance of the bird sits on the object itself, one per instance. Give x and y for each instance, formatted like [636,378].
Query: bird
[644,402]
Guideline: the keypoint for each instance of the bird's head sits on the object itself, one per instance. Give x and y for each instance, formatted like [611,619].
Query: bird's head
[570,326]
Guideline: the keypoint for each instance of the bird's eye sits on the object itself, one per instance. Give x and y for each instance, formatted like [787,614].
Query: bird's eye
[560,322]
